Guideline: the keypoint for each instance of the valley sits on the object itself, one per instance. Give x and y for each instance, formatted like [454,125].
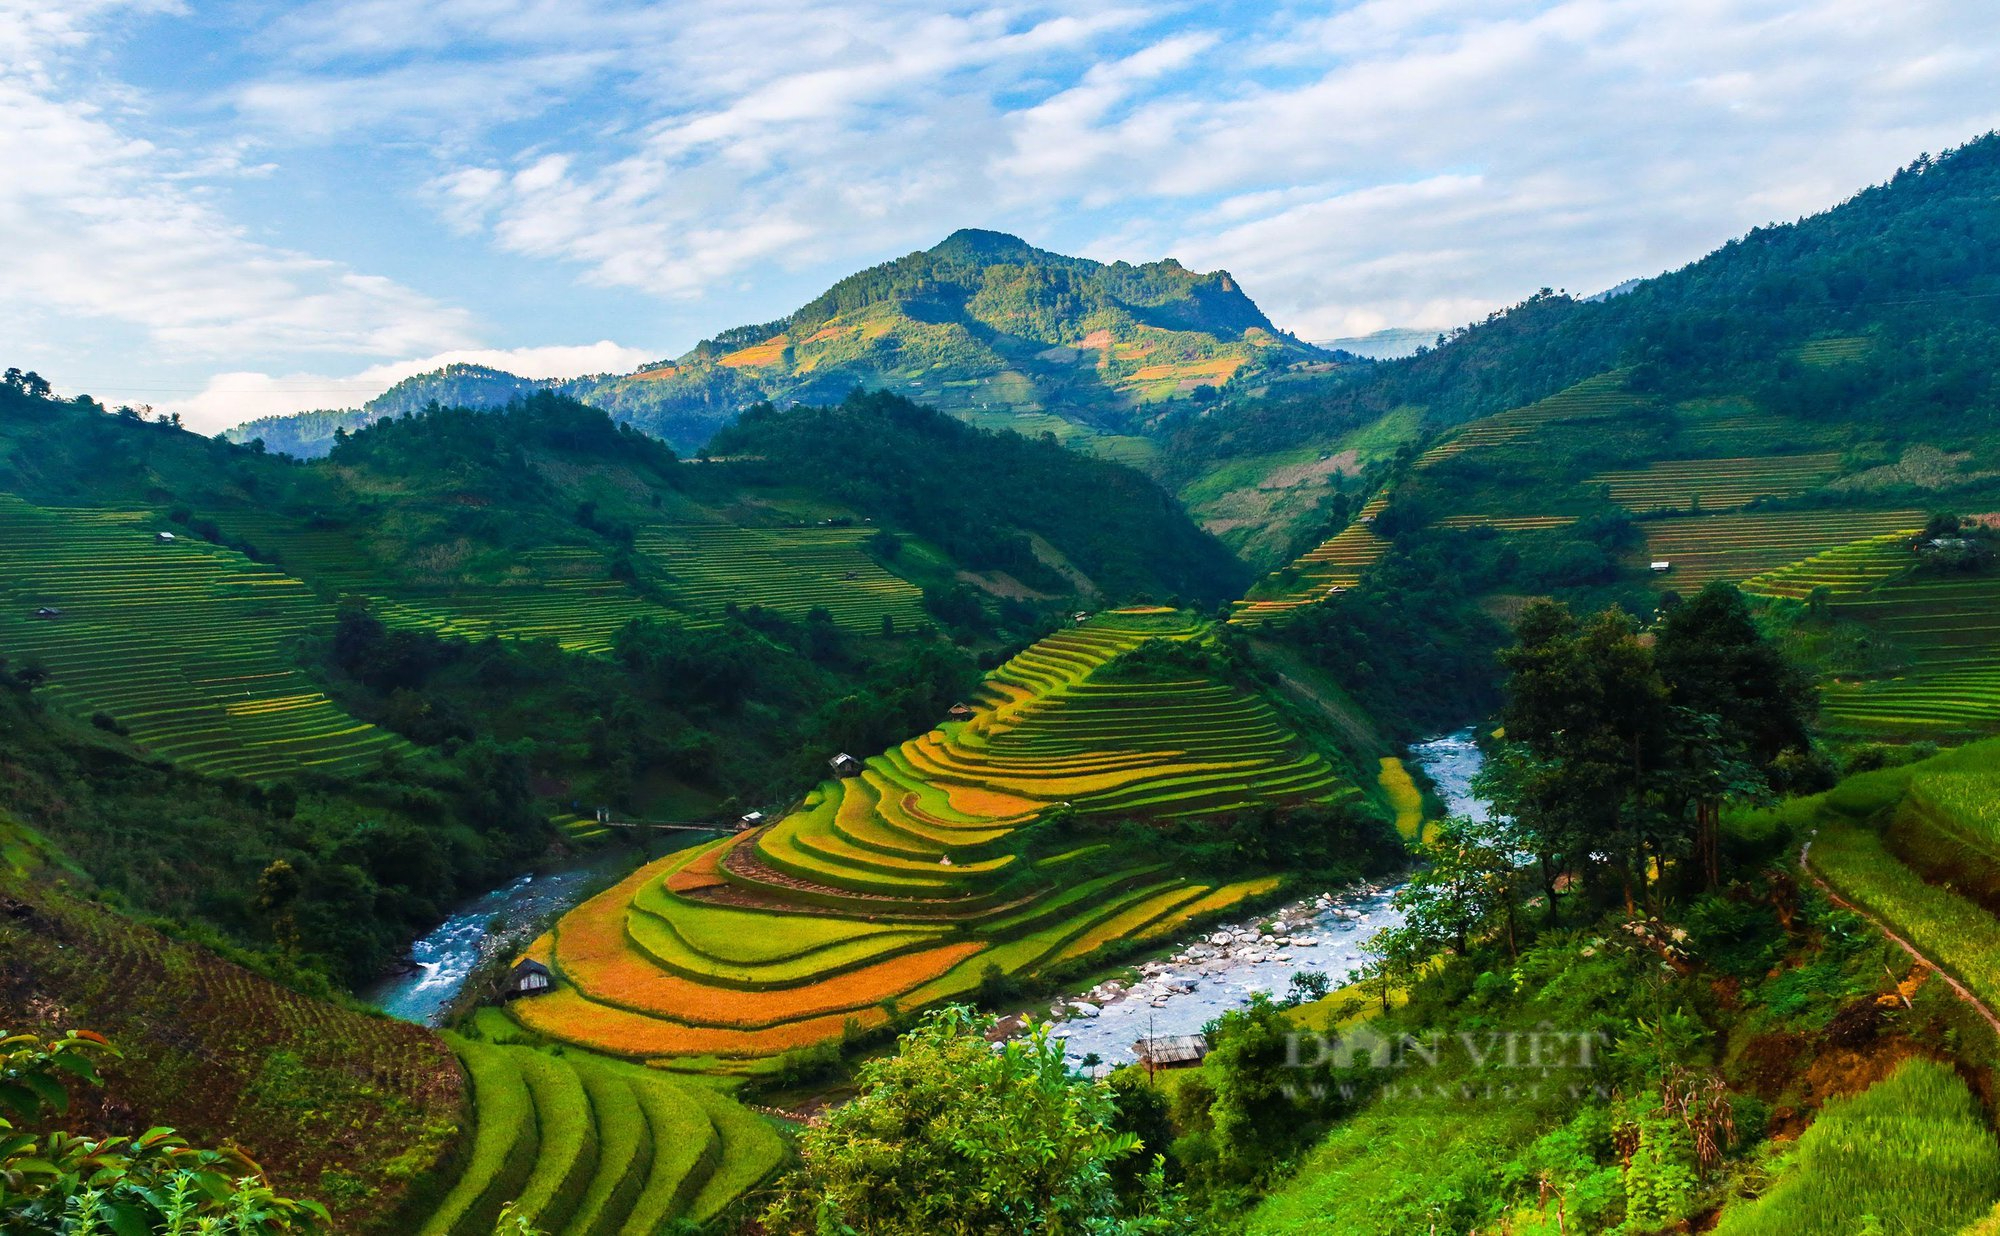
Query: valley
[592,807]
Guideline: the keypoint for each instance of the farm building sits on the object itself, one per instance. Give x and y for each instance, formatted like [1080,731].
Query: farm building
[163,538]
[753,819]
[48,611]
[528,978]
[1661,567]
[959,712]
[844,765]
[1176,1051]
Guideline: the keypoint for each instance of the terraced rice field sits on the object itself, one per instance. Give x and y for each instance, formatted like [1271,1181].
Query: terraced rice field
[559,592]
[1825,352]
[1942,629]
[1336,563]
[1717,484]
[587,1146]
[1947,631]
[1738,426]
[1738,546]
[566,593]
[1340,561]
[313,1090]
[183,643]
[1844,570]
[899,886]
[1592,399]
[1508,523]
[788,570]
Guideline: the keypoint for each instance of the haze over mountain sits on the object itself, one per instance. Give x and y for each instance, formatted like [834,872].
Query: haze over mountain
[983,325]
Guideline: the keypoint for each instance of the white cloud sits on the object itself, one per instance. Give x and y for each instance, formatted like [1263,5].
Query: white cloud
[1360,164]
[103,226]
[232,398]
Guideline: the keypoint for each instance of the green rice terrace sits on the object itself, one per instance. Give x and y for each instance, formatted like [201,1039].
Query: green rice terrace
[788,570]
[587,1146]
[1935,638]
[182,643]
[568,594]
[903,881]
[1918,849]
[1737,546]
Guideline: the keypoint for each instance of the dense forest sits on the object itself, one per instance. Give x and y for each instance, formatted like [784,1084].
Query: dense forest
[983,495]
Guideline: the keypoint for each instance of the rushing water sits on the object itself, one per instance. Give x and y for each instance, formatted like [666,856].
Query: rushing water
[475,932]
[486,926]
[1225,966]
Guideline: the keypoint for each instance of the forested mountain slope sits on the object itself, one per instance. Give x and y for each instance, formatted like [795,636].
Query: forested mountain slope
[983,326]
[1790,413]
[1867,326]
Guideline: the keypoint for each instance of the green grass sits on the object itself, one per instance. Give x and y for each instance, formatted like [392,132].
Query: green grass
[1396,1167]
[1913,1150]
[1403,797]
[1951,930]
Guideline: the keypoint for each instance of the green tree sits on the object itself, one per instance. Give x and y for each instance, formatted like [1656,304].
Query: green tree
[1466,879]
[950,1135]
[1587,704]
[1743,707]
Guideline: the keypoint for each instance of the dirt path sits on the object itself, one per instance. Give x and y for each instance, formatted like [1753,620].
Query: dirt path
[1964,993]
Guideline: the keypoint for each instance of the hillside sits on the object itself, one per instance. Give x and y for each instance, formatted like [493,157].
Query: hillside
[1861,325]
[342,1106]
[983,326]
[1799,446]
[677,639]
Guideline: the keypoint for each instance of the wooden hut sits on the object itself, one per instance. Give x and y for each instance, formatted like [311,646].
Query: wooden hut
[163,538]
[844,765]
[529,978]
[960,712]
[1172,1051]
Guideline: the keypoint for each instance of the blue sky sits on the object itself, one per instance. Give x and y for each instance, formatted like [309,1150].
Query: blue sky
[231,209]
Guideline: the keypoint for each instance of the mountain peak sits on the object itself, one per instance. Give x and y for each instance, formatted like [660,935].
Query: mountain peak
[979,243]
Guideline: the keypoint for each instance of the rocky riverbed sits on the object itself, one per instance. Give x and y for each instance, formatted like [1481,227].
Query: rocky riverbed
[1221,970]
[1226,966]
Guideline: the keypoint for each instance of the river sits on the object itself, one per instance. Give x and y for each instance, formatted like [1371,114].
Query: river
[1178,996]
[1221,969]
[498,921]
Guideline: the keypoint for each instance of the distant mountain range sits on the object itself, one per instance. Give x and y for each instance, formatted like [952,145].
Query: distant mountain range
[984,326]
[1391,344]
